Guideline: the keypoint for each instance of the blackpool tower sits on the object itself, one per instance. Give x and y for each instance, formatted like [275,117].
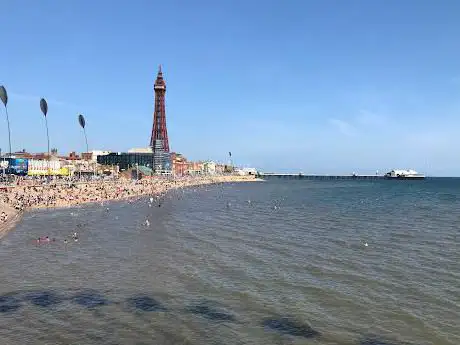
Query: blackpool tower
[159,138]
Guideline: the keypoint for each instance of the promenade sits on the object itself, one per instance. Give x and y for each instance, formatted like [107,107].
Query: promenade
[18,198]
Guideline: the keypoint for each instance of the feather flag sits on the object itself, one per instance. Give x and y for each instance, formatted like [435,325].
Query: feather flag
[44,106]
[81,120]
[3,95]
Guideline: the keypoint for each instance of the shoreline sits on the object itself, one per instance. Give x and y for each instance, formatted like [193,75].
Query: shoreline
[14,216]
[207,182]
[152,188]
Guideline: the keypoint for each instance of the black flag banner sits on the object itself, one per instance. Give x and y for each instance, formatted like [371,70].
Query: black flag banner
[3,95]
[81,120]
[44,106]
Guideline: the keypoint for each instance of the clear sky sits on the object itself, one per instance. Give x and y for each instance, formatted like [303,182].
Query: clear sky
[313,86]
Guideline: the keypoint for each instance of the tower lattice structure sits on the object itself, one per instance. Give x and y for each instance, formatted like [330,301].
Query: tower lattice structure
[159,138]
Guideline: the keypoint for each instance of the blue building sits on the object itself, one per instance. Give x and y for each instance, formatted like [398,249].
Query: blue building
[15,166]
[129,160]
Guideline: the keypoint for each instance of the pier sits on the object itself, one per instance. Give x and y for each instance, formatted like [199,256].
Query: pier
[301,176]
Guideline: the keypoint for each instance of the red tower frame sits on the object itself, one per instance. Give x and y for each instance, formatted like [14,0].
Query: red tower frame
[159,131]
[159,137]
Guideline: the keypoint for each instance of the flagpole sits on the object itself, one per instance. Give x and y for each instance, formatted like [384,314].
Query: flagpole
[231,161]
[44,109]
[4,98]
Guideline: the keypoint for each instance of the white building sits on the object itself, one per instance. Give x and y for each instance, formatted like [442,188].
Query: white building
[246,171]
[141,150]
[209,168]
[41,166]
[249,171]
[97,153]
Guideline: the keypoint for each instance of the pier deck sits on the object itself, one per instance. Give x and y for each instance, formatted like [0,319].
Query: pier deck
[319,177]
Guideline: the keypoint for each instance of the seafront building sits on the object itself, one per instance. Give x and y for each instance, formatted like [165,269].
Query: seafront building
[179,164]
[126,160]
[246,171]
[94,154]
[209,168]
[109,163]
[141,150]
[27,164]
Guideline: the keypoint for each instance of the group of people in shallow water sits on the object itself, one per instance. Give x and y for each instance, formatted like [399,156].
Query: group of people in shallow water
[46,239]
[3,217]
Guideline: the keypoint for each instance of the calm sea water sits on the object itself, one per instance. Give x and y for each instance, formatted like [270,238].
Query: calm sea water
[278,262]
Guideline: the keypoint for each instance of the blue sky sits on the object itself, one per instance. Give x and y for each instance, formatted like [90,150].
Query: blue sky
[312,86]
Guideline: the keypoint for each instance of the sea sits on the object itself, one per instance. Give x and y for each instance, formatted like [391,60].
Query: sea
[274,262]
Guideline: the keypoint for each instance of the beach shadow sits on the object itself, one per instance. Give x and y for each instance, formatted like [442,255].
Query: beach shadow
[289,326]
[90,299]
[9,303]
[144,303]
[375,340]
[44,299]
[209,312]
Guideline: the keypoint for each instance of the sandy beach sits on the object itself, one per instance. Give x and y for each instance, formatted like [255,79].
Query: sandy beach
[20,198]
